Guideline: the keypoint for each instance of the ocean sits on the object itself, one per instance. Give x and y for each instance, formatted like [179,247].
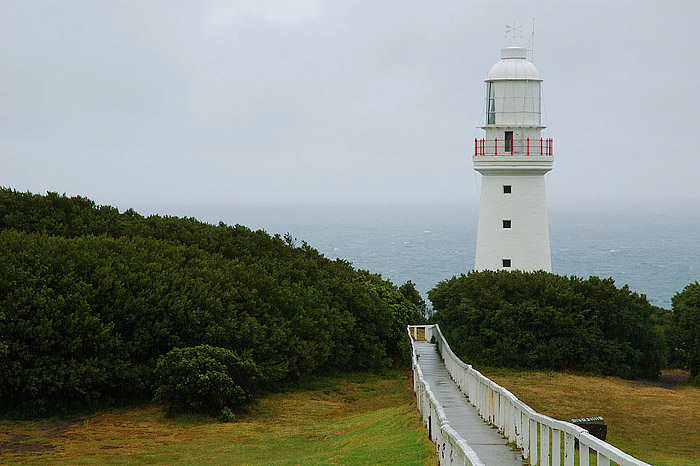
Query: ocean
[653,250]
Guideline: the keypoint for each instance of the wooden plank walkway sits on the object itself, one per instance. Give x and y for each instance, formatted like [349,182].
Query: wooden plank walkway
[485,440]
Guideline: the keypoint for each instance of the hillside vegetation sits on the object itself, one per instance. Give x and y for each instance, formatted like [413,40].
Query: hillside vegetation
[539,320]
[684,334]
[91,299]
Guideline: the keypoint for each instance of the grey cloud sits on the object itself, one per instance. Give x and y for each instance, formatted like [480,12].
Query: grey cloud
[141,103]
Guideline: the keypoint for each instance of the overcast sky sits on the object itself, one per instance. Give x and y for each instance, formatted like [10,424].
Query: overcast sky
[213,103]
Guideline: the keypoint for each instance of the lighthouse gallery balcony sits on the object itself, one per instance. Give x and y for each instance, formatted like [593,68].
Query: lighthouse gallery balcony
[502,156]
[527,147]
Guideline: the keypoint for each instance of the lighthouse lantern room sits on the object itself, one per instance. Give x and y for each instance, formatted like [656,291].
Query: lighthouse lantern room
[513,231]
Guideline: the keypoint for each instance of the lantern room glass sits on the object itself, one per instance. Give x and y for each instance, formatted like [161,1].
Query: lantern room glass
[491,104]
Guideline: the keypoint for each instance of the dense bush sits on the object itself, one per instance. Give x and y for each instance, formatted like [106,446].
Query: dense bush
[91,298]
[410,292]
[205,379]
[686,325]
[546,321]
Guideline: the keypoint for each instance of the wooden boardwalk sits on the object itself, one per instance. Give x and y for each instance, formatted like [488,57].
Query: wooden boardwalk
[485,440]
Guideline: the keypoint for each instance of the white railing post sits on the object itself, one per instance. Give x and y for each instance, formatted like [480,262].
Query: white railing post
[513,433]
[525,428]
[496,408]
[533,442]
[582,454]
[544,445]
[568,449]
[556,447]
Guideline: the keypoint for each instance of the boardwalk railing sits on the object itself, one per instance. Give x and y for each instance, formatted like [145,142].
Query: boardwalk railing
[539,437]
[452,449]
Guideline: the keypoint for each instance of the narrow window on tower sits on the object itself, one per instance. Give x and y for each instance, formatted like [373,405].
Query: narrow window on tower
[506,263]
[490,104]
[507,189]
[509,141]
[506,223]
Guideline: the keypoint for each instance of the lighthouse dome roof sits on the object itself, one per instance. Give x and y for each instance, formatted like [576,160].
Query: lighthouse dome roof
[514,66]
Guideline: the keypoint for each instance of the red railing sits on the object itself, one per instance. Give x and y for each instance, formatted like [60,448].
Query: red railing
[514,147]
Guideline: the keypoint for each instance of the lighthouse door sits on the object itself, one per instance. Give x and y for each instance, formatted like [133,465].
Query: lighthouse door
[509,142]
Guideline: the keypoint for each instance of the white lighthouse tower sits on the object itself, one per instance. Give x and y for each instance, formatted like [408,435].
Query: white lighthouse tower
[513,158]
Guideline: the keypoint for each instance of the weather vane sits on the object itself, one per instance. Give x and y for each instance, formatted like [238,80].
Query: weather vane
[515,31]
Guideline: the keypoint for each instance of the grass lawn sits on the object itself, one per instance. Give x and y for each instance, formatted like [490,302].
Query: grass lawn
[356,419]
[656,422]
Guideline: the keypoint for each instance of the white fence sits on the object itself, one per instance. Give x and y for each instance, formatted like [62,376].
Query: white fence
[452,449]
[539,437]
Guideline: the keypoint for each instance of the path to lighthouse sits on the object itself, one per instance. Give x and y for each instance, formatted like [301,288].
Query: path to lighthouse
[449,411]
[486,441]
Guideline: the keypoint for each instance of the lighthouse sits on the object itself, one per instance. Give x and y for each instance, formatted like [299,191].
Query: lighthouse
[513,232]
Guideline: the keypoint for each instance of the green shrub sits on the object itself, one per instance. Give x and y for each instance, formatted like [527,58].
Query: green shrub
[55,352]
[539,320]
[686,320]
[227,415]
[410,292]
[204,379]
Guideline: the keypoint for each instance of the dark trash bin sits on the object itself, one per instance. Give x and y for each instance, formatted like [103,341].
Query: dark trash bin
[595,426]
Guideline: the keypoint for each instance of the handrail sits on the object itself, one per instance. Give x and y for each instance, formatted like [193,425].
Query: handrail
[452,449]
[503,147]
[532,432]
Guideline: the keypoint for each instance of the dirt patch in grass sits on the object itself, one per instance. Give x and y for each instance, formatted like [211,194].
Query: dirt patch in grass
[671,378]
[56,429]
[34,436]
[19,443]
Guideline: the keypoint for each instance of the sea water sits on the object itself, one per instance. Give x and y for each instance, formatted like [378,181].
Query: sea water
[655,251]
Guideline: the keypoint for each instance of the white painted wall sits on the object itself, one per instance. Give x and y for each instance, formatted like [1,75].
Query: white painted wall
[526,243]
